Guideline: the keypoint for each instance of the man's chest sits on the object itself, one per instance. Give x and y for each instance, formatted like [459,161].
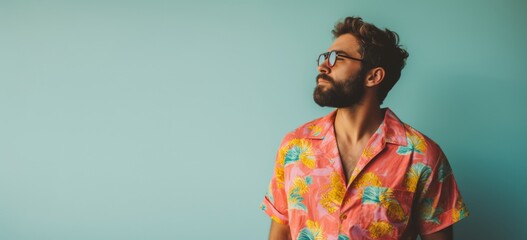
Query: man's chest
[380,187]
[322,166]
[349,156]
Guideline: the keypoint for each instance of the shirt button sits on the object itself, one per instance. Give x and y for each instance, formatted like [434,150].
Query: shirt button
[343,216]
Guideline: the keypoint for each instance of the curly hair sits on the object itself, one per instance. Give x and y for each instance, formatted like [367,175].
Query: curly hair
[379,48]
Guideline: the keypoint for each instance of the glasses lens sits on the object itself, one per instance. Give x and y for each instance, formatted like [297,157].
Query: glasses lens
[321,59]
[332,58]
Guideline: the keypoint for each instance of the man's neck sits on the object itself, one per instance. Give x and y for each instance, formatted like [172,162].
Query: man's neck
[357,123]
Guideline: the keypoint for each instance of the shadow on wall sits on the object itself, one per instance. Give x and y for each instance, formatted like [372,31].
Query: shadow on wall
[484,121]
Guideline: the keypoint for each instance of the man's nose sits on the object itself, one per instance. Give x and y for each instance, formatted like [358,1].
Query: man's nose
[324,67]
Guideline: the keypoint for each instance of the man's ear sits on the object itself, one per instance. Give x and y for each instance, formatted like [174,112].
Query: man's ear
[374,77]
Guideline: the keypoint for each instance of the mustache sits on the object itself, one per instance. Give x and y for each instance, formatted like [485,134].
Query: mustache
[325,77]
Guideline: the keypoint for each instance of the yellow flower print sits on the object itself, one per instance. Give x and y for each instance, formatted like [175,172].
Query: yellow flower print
[301,185]
[315,129]
[279,172]
[294,150]
[460,211]
[368,152]
[332,199]
[312,231]
[299,149]
[394,210]
[296,198]
[384,197]
[367,179]
[418,143]
[314,227]
[279,169]
[417,176]
[380,229]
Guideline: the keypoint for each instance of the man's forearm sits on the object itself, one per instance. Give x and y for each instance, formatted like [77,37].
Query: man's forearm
[279,231]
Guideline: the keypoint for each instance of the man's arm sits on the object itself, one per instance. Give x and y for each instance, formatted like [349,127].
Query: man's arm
[445,234]
[279,231]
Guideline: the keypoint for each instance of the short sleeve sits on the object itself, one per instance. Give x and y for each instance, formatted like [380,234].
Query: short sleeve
[440,203]
[274,203]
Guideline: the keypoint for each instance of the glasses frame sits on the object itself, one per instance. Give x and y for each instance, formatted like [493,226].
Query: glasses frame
[328,57]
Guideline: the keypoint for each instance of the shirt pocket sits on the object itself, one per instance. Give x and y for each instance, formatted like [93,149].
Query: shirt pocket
[385,205]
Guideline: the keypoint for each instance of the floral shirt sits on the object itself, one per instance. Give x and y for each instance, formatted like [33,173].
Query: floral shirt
[402,185]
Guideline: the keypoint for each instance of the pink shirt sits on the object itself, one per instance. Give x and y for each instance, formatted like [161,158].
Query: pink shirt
[402,185]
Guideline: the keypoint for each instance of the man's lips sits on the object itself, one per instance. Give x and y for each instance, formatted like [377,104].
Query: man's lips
[321,80]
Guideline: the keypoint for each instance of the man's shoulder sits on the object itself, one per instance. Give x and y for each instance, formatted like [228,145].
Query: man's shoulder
[422,144]
[314,129]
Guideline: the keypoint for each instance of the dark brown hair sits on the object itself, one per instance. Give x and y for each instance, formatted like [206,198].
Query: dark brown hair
[379,48]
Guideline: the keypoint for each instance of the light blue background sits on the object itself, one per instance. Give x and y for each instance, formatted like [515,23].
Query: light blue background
[161,119]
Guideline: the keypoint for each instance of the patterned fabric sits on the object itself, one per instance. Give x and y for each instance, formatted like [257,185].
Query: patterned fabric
[402,185]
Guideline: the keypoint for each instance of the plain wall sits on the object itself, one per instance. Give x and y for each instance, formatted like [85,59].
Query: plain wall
[161,119]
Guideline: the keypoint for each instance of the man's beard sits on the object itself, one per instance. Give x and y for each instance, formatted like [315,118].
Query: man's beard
[339,94]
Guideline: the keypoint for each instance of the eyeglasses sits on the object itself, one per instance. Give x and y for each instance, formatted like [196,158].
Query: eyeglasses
[332,57]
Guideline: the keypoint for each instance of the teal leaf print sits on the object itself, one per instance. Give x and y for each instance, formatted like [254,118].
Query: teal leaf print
[305,234]
[292,155]
[263,207]
[429,213]
[343,237]
[423,170]
[300,206]
[417,177]
[372,194]
[415,144]
[309,179]
[460,210]
[444,170]
[404,150]
[295,199]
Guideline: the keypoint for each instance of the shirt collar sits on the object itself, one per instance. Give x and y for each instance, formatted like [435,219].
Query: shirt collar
[392,129]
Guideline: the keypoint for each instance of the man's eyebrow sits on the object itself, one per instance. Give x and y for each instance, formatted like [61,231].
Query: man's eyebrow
[342,52]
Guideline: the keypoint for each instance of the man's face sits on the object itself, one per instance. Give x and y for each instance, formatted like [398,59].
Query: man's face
[341,85]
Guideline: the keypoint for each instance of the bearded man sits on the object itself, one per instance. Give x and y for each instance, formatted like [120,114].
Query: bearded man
[360,172]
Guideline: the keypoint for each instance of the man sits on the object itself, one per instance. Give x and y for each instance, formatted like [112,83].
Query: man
[359,172]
